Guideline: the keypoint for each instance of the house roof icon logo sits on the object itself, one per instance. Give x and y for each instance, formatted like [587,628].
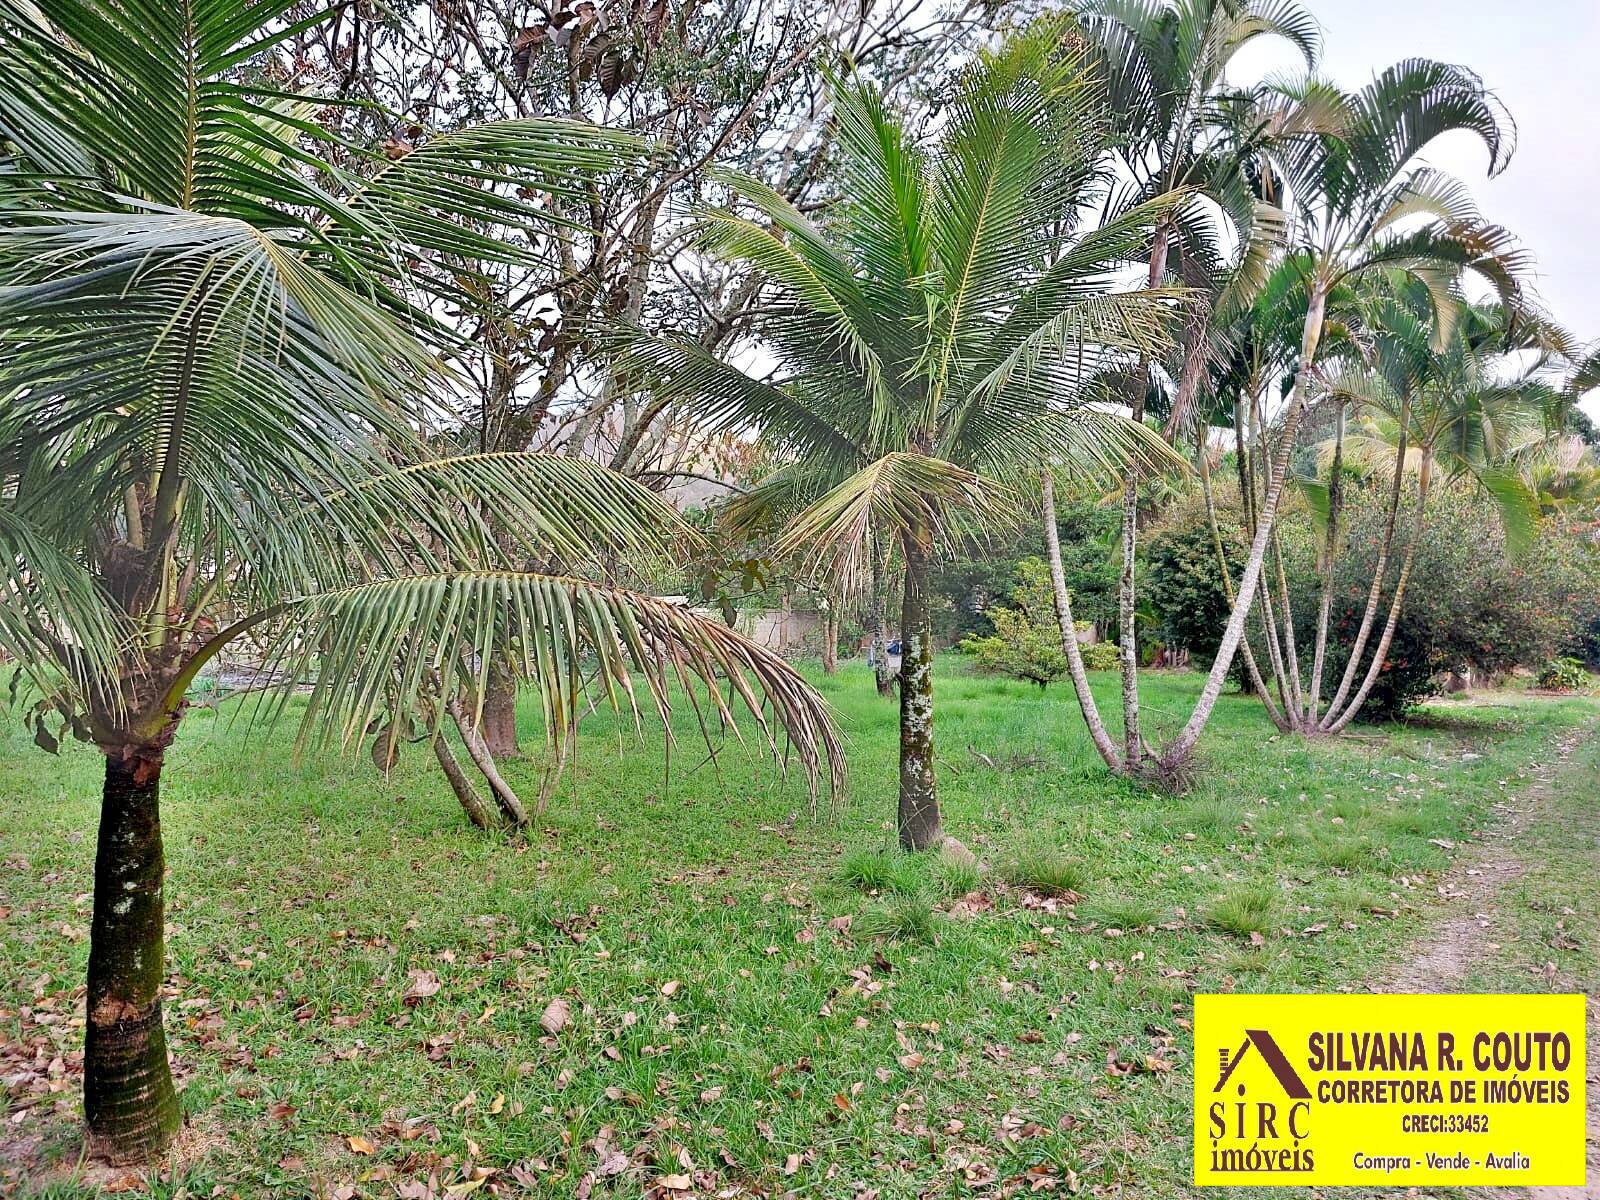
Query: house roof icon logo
[1288,1079]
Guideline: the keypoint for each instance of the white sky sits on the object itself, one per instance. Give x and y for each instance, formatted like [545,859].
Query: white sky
[1542,57]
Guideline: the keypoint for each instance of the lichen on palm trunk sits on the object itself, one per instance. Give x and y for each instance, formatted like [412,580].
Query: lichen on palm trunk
[129,1100]
[919,823]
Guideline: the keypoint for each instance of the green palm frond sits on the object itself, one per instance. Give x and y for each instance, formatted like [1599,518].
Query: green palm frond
[56,623]
[898,494]
[795,256]
[722,396]
[375,649]
[1089,335]
[883,182]
[1517,505]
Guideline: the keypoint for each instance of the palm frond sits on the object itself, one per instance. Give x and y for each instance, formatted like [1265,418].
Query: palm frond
[378,647]
[898,493]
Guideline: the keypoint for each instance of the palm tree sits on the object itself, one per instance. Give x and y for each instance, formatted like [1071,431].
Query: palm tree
[932,334]
[1361,208]
[1425,412]
[1180,124]
[218,361]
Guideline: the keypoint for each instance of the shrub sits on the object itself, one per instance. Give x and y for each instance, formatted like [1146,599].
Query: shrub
[1184,589]
[1101,656]
[1563,675]
[1026,643]
[1469,605]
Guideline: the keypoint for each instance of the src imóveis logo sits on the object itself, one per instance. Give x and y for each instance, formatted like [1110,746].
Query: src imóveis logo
[1263,1126]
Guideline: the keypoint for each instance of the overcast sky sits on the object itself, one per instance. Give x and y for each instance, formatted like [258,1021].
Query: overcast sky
[1542,57]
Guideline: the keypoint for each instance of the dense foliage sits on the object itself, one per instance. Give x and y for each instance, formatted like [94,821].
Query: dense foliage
[1026,642]
[1183,586]
[1472,606]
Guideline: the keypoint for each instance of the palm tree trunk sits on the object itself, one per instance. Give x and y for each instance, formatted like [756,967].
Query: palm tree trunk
[1127,639]
[1183,745]
[1285,650]
[498,725]
[128,1097]
[1127,599]
[880,617]
[1337,722]
[1329,558]
[504,794]
[1253,672]
[1069,631]
[1291,649]
[920,826]
[1375,592]
[830,639]
[471,803]
[1244,467]
[1269,625]
[1259,465]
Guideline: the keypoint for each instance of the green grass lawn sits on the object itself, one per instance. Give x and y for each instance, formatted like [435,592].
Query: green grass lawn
[757,998]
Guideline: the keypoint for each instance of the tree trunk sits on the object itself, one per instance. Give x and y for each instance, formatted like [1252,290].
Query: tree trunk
[1183,745]
[128,1097]
[471,803]
[1337,721]
[1284,652]
[1291,641]
[504,794]
[830,639]
[880,619]
[1253,672]
[1127,600]
[498,723]
[920,827]
[1069,630]
[1374,594]
[1127,639]
[1330,556]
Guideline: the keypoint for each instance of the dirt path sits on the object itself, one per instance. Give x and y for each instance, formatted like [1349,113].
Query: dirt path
[1456,947]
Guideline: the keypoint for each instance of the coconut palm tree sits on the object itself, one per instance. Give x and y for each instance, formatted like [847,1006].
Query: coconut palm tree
[1181,124]
[1360,207]
[219,361]
[932,334]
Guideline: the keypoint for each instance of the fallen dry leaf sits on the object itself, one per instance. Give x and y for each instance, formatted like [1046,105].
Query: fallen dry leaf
[557,1016]
[360,1145]
[420,985]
